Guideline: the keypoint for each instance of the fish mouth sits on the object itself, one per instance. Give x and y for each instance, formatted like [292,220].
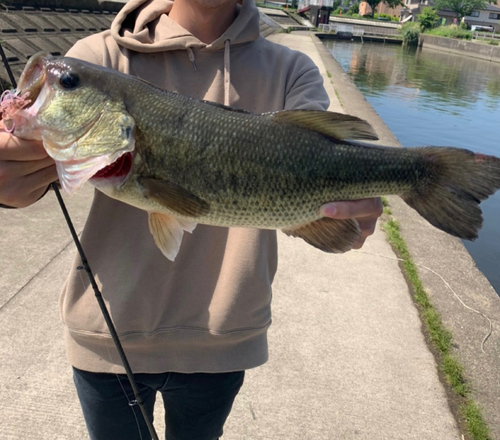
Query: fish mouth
[119,168]
[33,76]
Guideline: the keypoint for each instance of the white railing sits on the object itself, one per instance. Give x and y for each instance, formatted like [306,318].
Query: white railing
[304,4]
[357,30]
[485,36]
[342,28]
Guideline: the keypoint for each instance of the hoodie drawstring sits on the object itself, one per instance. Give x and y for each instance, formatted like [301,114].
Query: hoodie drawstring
[227,71]
[191,57]
[227,68]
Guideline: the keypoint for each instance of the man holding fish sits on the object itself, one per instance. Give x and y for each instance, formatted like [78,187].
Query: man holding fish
[190,327]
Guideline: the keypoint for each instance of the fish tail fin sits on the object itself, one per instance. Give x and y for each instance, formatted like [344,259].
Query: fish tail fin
[457,182]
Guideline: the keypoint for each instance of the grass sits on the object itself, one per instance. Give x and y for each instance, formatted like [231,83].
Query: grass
[477,426]
[440,337]
[338,97]
[451,31]
[336,93]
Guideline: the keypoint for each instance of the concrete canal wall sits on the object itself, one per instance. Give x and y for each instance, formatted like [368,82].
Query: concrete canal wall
[461,47]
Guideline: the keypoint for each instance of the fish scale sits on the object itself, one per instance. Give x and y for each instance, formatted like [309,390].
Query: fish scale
[268,186]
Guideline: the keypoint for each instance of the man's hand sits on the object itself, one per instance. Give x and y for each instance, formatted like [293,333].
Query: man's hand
[365,211]
[25,171]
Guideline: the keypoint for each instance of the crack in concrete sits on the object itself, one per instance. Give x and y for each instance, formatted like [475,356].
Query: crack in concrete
[57,254]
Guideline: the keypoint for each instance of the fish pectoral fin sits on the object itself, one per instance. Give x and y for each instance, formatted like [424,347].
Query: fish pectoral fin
[174,197]
[168,231]
[333,125]
[328,234]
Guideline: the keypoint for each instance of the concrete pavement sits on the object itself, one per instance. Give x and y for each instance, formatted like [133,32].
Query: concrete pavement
[348,359]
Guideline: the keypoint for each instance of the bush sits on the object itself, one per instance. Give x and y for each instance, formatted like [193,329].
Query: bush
[493,42]
[428,18]
[354,9]
[337,11]
[410,32]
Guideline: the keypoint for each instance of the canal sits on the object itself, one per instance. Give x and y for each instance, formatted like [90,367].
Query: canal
[429,97]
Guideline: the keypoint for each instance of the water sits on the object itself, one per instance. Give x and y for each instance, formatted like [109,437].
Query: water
[429,97]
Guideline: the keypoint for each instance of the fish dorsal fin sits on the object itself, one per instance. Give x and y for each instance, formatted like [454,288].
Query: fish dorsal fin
[328,234]
[168,231]
[174,197]
[334,125]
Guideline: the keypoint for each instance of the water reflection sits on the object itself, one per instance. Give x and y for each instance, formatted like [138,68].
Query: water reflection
[428,97]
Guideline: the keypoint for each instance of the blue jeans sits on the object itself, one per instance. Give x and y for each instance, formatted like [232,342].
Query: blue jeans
[196,405]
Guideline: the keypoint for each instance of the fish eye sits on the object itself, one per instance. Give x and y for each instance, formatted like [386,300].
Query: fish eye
[69,80]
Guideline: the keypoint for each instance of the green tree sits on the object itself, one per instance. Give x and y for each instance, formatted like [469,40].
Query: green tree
[391,3]
[461,7]
[354,9]
[428,18]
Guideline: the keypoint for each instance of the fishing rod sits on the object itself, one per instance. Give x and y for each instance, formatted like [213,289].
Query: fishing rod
[97,293]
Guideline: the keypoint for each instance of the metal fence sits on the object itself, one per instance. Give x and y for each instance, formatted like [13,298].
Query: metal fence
[485,36]
[357,30]
[304,4]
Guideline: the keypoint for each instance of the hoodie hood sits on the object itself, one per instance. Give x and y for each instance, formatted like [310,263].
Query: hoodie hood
[144,26]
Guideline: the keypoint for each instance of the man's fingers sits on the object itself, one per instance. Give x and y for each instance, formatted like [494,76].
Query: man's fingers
[24,168]
[364,211]
[14,148]
[28,189]
[367,227]
[353,209]
[42,178]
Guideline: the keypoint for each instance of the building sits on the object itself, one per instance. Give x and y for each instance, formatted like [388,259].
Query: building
[412,8]
[318,11]
[382,8]
[489,16]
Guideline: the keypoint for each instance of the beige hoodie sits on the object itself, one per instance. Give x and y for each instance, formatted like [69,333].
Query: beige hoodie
[209,311]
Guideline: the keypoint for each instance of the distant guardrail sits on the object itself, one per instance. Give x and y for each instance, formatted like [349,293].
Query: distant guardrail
[485,36]
[357,30]
[304,5]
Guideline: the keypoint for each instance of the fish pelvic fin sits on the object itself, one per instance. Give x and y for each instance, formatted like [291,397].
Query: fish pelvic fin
[168,231]
[333,125]
[328,234]
[450,195]
[174,197]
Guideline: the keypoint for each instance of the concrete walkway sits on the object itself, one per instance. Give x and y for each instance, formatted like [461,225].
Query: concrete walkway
[348,359]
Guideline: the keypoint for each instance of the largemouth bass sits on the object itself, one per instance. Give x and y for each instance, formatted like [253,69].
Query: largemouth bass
[186,161]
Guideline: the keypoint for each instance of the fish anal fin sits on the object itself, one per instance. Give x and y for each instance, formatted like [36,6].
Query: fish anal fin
[168,231]
[328,234]
[334,125]
[174,197]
